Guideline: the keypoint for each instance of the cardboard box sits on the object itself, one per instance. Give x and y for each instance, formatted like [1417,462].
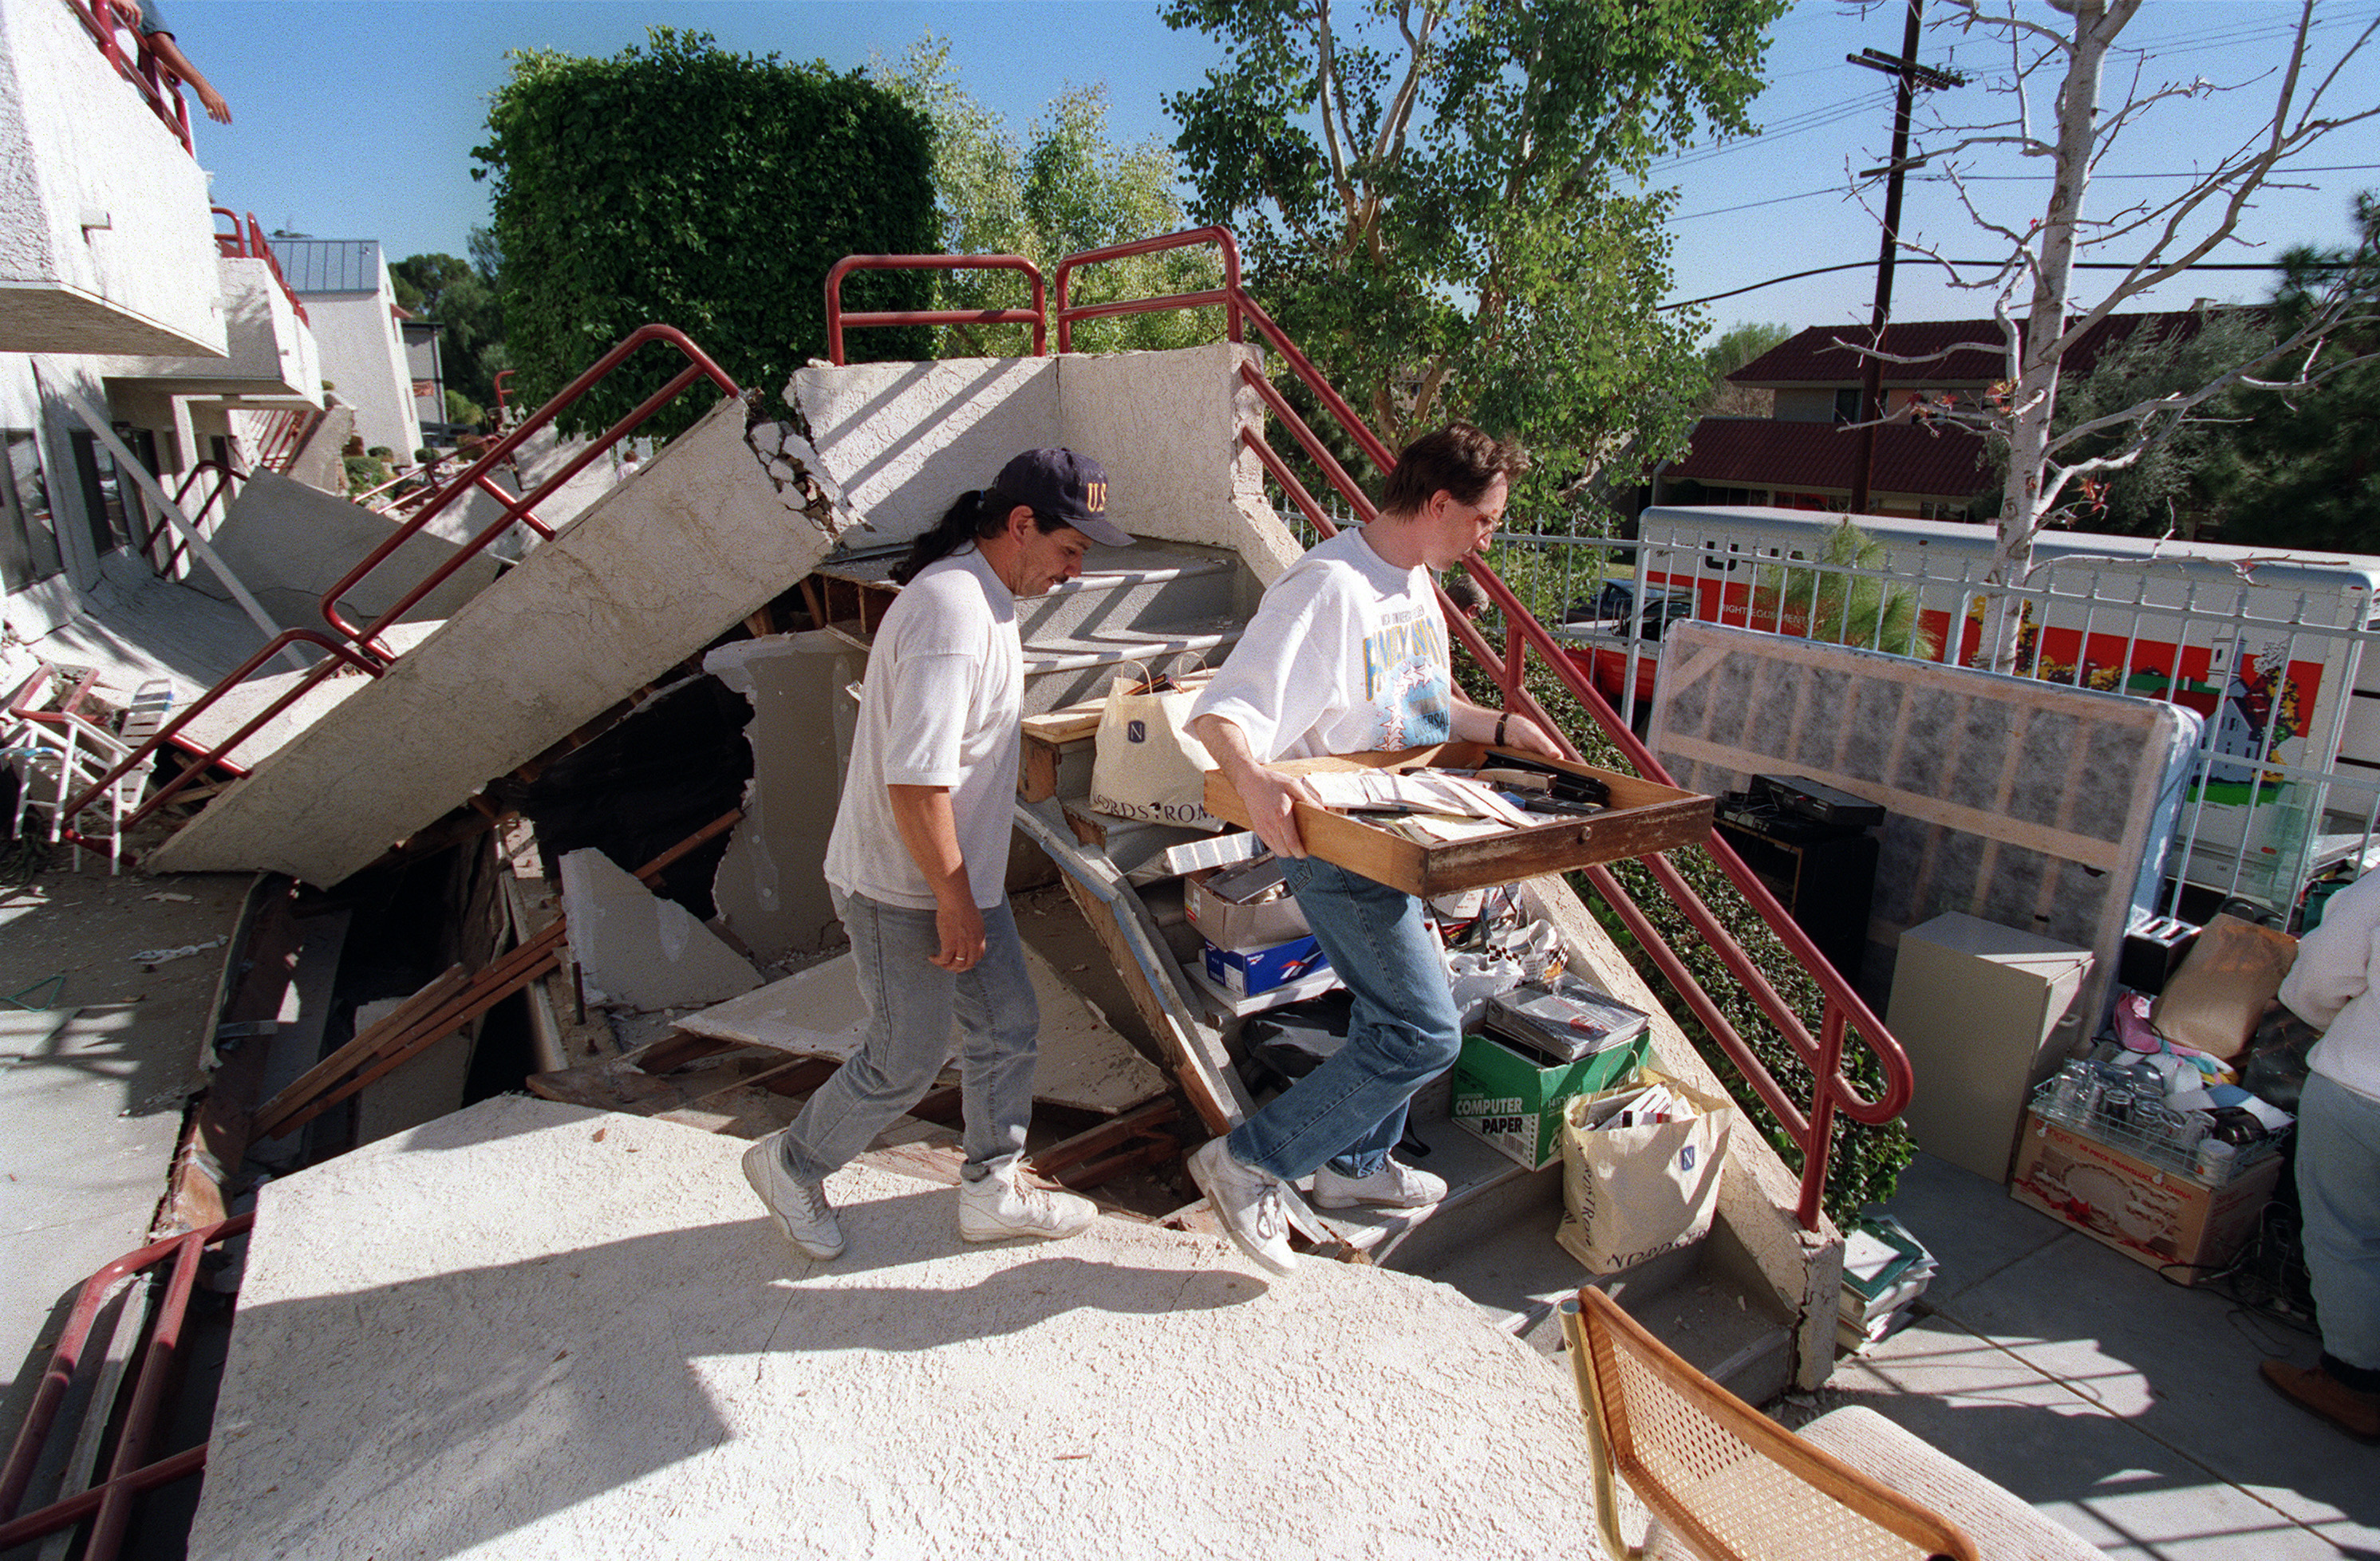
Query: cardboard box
[1515,1103]
[2150,1213]
[1229,926]
[1644,817]
[1247,973]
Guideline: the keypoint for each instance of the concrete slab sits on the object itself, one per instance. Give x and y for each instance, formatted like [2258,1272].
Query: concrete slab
[92,1084]
[639,949]
[288,543]
[534,1330]
[219,722]
[134,626]
[644,578]
[819,1013]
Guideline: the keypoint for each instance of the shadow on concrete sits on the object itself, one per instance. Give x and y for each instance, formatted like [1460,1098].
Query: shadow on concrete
[441,1414]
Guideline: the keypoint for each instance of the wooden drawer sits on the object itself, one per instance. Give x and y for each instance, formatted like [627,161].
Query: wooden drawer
[1644,817]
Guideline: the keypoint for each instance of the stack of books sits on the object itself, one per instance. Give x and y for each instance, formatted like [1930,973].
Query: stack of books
[1885,1270]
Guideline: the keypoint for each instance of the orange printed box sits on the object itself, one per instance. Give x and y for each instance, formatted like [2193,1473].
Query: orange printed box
[2152,1215]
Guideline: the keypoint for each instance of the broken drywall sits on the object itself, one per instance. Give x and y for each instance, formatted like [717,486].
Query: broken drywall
[771,888]
[288,543]
[639,949]
[535,1330]
[651,573]
[819,1013]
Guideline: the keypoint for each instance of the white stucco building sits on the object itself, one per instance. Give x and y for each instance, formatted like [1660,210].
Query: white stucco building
[345,287]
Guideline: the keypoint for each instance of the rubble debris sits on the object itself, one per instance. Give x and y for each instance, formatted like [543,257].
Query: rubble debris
[819,1013]
[639,949]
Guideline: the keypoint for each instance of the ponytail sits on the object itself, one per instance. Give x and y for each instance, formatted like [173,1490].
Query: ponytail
[960,525]
[979,513]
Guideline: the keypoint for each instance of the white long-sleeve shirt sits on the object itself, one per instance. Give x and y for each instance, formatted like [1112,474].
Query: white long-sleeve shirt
[2331,987]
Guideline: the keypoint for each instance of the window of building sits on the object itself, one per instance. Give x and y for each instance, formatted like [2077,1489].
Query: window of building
[111,502]
[29,534]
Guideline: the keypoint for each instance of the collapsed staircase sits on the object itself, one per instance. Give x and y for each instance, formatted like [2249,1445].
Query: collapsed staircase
[736,513]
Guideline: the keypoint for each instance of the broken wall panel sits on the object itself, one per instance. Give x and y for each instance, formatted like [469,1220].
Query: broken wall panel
[905,438]
[652,572]
[769,887]
[639,949]
[2025,804]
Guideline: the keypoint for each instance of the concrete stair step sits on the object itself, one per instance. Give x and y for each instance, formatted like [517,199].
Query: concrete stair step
[1122,591]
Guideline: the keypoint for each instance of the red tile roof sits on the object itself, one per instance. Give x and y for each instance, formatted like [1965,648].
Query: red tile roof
[1929,461]
[1816,356]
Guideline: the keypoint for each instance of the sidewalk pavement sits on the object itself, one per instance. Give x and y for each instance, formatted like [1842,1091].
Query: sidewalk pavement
[94,1071]
[2127,1407]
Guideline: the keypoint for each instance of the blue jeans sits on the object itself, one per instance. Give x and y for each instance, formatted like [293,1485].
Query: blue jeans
[1404,1031]
[2338,1185]
[911,1003]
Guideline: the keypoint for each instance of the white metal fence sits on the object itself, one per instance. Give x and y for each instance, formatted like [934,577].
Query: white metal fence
[2266,647]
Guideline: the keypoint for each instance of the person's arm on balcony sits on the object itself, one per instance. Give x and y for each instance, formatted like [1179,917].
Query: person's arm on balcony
[169,54]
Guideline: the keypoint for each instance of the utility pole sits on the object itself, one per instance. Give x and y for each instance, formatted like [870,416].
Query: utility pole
[1911,75]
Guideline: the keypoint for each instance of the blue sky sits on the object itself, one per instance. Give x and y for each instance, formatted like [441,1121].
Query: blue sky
[355,119]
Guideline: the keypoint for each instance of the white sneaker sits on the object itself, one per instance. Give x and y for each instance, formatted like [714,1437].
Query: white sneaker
[1394,1186]
[1248,1202]
[798,1204]
[1003,1204]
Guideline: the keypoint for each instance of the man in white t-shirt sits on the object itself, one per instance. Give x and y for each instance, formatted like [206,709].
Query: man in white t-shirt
[1348,654]
[920,855]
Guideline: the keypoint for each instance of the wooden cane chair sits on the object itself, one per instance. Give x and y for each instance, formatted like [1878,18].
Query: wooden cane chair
[1723,1482]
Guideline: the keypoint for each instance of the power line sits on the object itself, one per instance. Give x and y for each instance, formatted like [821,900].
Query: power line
[1996,179]
[1979,265]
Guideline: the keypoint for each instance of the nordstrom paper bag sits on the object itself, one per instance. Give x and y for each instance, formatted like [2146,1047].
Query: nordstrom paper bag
[1147,766]
[1635,1193]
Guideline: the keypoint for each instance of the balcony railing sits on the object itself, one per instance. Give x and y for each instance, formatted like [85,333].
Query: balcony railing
[246,242]
[108,21]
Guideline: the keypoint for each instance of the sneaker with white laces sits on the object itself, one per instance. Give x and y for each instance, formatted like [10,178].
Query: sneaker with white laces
[797,1203]
[1004,1204]
[1248,1202]
[1394,1186]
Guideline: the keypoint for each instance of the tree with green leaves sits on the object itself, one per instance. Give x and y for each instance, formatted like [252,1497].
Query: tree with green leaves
[681,184]
[465,299]
[1067,187]
[1439,202]
[1734,348]
[2305,473]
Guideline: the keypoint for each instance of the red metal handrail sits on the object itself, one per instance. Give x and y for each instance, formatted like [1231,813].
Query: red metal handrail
[249,244]
[284,434]
[1036,317]
[518,507]
[108,1504]
[158,86]
[358,647]
[1832,1094]
[224,477]
[1228,295]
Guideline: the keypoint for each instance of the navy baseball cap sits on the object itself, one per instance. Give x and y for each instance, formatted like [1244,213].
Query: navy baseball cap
[1065,486]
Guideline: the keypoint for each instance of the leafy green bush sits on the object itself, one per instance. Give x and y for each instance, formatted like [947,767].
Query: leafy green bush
[681,184]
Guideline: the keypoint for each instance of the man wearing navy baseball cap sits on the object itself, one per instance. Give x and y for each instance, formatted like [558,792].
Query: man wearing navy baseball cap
[919,856]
